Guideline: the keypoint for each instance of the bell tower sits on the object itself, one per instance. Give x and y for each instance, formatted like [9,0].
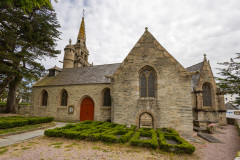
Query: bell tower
[77,55]
[81,51]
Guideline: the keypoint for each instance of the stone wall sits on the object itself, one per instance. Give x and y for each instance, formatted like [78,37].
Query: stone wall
[23,110]
[215,113]
[171,106]
[76,93]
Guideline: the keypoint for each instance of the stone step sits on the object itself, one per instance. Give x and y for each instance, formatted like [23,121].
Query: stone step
[208,137]
[198,129]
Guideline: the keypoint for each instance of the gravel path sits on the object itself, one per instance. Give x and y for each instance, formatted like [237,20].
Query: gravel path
[221,151]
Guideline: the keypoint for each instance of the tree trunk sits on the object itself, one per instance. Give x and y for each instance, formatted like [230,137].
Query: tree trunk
[12,107]
[5,82]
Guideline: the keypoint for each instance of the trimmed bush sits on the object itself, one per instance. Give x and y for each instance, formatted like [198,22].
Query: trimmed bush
[167,131]
[56,132]
[145,132]
[93,131]
[182,146]
[18,121]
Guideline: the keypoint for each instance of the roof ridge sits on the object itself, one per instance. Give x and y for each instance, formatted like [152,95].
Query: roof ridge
[194,65]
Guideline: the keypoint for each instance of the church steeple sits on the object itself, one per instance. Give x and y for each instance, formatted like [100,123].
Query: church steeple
[81,51]
[81,34]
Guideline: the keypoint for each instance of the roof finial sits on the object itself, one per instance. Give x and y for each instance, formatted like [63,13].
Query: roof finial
[205,59]
[70,41]
[83,13]
[146,28]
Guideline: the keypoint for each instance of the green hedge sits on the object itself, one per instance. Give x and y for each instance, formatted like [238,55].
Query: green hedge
[93,131]
[152,143]
[182,146]
[167,131]
[20,104]
[18,121]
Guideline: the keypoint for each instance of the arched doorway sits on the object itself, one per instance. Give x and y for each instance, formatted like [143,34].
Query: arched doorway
[145,121]
[87,110]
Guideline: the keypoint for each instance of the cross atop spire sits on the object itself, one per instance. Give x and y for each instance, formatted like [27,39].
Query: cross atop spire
[83,13]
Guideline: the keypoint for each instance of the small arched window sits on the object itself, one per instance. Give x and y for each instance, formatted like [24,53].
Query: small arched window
[147,83]
[64,98]
[107,98]
[44,98]
[207,95]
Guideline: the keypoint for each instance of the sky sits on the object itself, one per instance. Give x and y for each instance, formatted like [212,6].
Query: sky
[187,29]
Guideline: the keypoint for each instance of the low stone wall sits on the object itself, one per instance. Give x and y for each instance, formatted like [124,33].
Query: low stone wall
[23,110]
[2,108]
[231,121]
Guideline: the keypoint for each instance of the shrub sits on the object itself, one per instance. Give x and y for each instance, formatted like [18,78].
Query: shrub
[182,146]
[56,132]
[152,143]
[167,131]
[18,121]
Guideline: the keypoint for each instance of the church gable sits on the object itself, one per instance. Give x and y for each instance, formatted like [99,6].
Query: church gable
[148,48]
[151,82]
[206,75]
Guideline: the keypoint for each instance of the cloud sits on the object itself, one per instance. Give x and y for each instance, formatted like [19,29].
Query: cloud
[187,29]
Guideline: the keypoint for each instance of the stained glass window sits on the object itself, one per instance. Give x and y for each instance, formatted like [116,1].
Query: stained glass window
[207,95]
[147,84]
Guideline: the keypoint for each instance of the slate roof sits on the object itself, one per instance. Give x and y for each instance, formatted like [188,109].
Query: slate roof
[195,77]
[80,75]
[230,106]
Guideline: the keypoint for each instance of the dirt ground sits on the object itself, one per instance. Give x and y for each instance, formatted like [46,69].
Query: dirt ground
[45,148]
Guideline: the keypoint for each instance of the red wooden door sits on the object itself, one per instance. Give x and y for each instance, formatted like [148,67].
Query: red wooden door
[87,110]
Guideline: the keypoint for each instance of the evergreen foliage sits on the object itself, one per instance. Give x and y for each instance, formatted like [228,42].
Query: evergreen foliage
[229,81]
[26,37]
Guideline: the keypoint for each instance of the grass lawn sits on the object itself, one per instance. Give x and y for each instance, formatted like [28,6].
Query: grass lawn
[61,148]
[24,128]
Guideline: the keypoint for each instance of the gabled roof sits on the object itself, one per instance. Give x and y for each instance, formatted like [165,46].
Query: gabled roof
[230,106]
[195,77]
[55,68]
[80,75]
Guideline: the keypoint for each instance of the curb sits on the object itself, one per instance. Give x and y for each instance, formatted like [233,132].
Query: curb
[34,129]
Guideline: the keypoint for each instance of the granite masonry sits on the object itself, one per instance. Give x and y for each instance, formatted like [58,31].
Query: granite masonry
[150,88]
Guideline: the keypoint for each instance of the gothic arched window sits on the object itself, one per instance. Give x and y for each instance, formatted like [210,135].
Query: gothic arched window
[44,98]
[106,98]
[207,95]
[147,83]
[64,98]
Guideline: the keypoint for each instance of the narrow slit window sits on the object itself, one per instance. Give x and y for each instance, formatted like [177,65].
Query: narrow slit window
[107,98]
[64,98]
[44,98]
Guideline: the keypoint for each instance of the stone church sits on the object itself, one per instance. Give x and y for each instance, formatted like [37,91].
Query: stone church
[150,88]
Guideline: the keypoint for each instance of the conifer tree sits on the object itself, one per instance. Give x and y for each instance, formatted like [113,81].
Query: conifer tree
[229,81]
[26,37]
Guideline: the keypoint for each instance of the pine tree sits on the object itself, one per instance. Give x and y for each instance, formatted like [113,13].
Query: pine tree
[26,37]
[229,81]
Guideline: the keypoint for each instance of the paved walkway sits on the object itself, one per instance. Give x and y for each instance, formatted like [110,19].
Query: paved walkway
[9,140]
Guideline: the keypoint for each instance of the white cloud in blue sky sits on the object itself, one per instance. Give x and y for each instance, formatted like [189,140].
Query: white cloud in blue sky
[187,29]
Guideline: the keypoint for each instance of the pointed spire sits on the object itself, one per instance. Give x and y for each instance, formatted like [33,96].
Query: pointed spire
[81,34]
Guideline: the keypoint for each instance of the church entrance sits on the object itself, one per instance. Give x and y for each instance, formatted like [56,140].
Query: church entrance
[145,121]
[87,110]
